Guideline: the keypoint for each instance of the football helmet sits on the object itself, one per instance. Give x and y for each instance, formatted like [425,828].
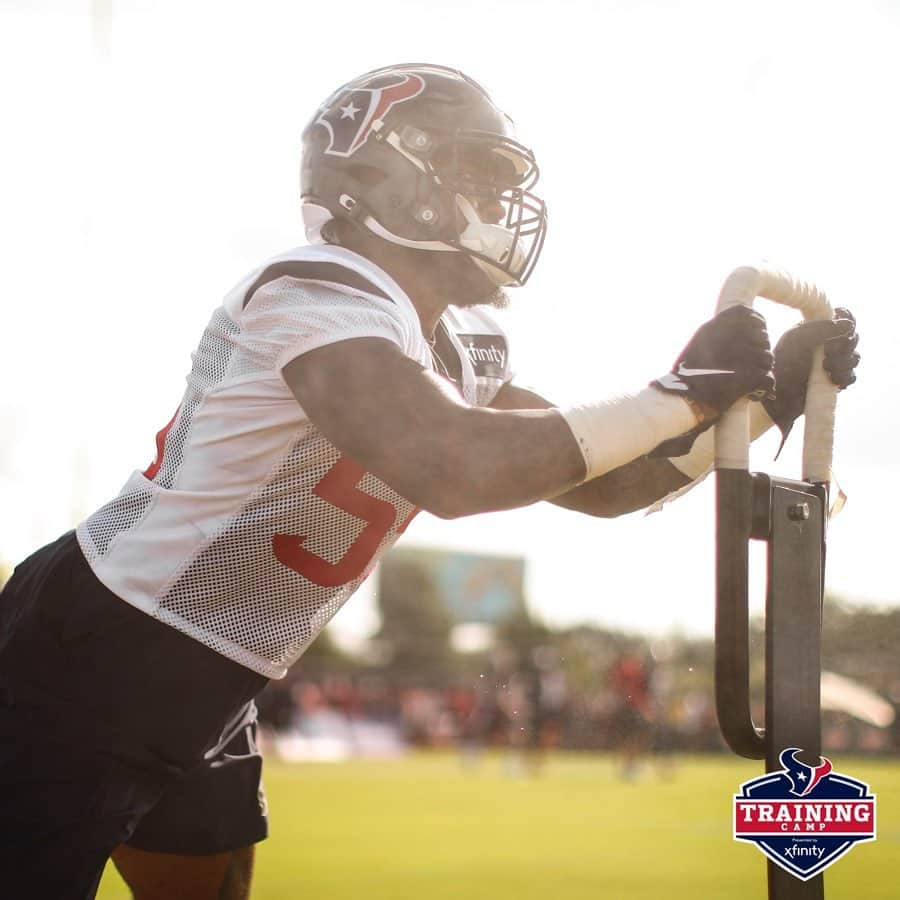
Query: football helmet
[420,156]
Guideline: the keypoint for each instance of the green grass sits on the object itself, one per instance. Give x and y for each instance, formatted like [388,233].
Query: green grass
[423,828]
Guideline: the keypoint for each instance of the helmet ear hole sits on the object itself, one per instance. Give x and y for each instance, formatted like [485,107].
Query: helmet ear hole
[416,140]
[428,216]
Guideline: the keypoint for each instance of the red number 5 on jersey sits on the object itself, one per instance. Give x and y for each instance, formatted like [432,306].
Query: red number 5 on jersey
[339,487]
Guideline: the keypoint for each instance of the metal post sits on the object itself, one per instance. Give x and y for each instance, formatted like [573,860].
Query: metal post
[790,517]
[793,644]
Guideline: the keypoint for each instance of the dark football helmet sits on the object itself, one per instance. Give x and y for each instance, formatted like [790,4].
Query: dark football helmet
[420,156]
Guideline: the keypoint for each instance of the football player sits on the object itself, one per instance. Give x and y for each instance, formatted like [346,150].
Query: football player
[340,388]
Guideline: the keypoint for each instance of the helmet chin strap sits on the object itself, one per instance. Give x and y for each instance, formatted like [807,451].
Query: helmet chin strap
[493,241]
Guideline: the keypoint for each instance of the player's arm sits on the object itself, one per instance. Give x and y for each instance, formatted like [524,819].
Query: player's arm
[410,428]
[625,489]
[645,480]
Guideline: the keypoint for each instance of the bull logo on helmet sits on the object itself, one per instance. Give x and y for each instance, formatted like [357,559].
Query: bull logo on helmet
[351,114]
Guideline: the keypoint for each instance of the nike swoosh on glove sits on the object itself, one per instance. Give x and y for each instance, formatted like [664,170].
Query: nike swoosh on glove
[727,358]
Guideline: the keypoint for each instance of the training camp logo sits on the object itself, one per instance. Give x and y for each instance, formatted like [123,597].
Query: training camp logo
[804,818]
[352,115]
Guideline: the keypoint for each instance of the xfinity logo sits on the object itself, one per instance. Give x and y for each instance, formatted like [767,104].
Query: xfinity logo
[486,352]
[816,852]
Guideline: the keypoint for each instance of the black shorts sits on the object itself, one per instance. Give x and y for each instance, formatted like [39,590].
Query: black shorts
[218,806]
[107,718]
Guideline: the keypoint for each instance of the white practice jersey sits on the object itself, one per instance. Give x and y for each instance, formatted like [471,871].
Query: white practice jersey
[250,529]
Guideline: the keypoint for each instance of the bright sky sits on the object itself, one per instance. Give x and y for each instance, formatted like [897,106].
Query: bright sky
[150,157]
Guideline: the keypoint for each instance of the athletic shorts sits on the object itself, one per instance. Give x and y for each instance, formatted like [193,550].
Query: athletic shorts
[113,728]
[219,806]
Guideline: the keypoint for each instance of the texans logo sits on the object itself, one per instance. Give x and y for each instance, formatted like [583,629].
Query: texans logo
[350,114]
[803,778]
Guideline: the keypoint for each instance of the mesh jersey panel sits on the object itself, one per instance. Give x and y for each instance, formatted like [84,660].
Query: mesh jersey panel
[251,530]
[263,609]
[120,514]
[211,363]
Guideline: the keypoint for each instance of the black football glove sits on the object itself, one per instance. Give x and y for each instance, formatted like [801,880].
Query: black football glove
[727,358]
[793,361]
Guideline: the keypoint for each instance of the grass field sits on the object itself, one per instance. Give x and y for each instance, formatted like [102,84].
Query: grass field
[424,827]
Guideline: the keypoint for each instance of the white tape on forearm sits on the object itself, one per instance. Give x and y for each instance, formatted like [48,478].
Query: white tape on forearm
[702,455]
[616,431]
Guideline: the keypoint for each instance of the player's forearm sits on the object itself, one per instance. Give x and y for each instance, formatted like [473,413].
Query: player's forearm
[465,461]
[629,487]
[494,461]
[633,486]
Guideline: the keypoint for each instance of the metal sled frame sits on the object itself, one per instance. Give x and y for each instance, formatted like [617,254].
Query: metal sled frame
[790,516]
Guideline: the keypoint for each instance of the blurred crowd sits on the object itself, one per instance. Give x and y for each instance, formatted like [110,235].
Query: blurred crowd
[535,691]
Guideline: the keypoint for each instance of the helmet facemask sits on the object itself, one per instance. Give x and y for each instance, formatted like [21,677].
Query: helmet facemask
[500,222]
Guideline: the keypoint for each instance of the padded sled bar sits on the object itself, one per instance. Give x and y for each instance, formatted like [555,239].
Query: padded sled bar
[742,287]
